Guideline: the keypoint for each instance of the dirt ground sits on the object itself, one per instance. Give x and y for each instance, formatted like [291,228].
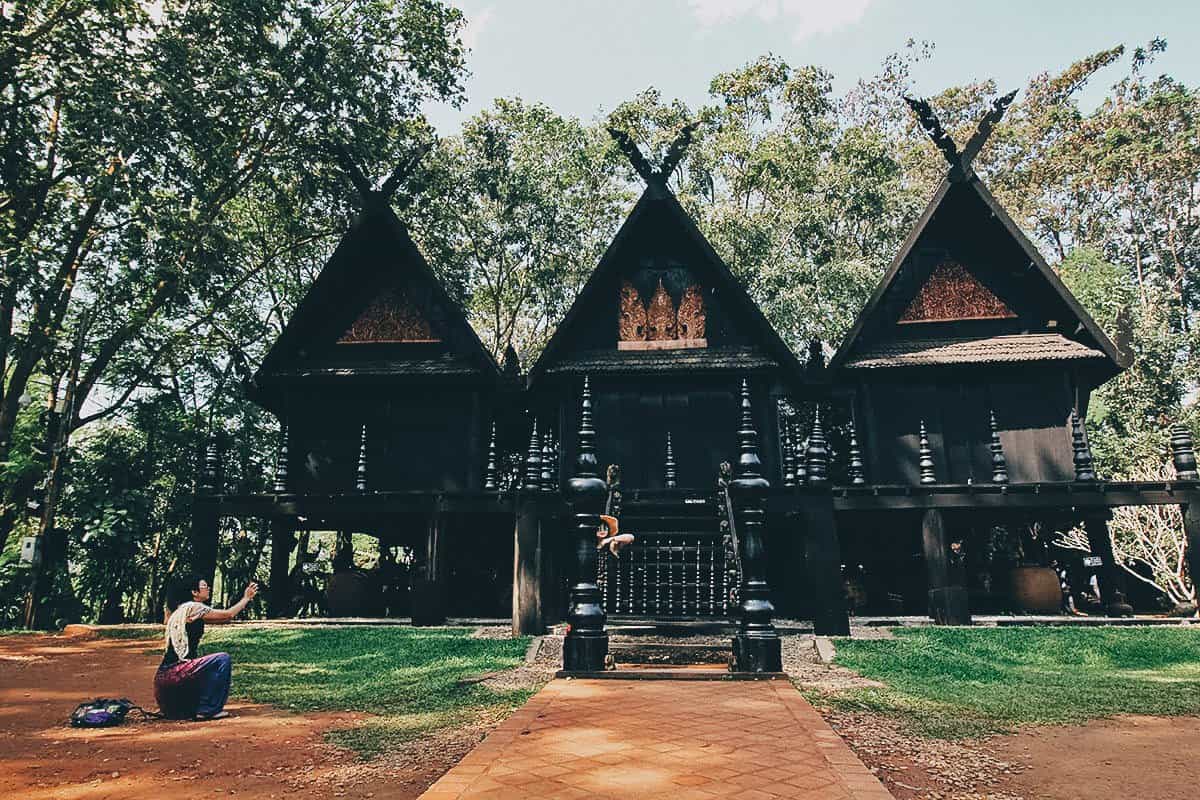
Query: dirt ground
[260,752]
[266,753]
[1128,756]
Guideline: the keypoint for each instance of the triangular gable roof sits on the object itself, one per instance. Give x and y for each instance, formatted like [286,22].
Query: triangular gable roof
[342,276]
[733,292]
[1119,360]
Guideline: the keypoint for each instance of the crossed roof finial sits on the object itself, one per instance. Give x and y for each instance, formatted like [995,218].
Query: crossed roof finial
[367,194]
[674,154]
[960,160]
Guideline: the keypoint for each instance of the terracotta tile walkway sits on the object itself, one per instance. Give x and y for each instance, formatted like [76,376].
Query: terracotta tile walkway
[743,740]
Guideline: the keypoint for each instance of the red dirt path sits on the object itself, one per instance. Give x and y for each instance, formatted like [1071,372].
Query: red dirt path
[260,752]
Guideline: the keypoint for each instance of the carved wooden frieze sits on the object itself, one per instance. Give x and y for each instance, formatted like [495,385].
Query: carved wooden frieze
[691,319]
[952,293]
[389,318]
[659,323]
[660,316]
[632,326]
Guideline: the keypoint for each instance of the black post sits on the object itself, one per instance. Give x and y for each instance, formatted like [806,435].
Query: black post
[428,586]
[489,473]
[547,467]
[999,463]
[855,470]
[925,457]
[360,474]
[533,460]
[527,615]
[1112,579]
[205,519]
[786,449]
[1191,529]
[585,646]
[283,540]
[1183,454]
[669,466]
[947,602]
[822,548]
[280,485]
[756,646]
[799,453]
[1081,450]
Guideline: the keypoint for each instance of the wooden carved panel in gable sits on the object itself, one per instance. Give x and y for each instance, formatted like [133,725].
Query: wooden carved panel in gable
[632,325]
[391,317]
[952,293]
[691,314]
[660,316]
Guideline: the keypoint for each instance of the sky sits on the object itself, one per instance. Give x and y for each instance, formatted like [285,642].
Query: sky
[583,57]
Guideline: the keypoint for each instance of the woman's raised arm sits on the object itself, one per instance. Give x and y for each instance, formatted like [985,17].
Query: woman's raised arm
[220,615]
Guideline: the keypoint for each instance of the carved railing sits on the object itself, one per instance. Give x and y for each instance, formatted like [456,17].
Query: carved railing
[729,537]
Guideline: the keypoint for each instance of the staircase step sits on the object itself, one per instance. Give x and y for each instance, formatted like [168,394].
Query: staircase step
[633,653]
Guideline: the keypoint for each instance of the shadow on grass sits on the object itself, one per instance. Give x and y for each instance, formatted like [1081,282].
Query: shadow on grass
[955,682]
[406,677]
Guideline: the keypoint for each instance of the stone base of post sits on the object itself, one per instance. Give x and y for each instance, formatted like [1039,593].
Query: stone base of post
[753,653]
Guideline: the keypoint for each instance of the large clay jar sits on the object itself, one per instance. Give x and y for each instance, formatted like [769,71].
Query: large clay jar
[1035,590]
[352,593]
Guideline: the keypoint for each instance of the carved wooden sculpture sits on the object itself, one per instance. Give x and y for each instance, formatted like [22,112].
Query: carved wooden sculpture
[692,320]
[660,316]
[632,325]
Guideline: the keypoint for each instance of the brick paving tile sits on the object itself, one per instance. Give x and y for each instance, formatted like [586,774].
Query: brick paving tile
[675,740]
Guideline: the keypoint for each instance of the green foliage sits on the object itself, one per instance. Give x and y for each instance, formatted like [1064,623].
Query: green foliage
[405,677]
[954,682]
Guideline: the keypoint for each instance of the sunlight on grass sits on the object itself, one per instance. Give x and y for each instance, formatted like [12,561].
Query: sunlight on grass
[407,677]
[956,682]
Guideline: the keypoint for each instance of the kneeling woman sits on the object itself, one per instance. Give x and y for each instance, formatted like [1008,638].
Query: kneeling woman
[188,685]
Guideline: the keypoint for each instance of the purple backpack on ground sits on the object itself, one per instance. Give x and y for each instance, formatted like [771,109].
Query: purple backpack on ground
[105,712]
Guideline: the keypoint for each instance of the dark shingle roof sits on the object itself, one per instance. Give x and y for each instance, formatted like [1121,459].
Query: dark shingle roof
[976,350]
[445,365]
[643,361]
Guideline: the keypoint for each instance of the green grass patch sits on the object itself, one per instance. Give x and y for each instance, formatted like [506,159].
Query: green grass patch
[963,682]
[405,676]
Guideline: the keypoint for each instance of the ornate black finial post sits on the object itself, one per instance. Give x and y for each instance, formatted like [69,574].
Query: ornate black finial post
[533,461]
[756,646]
[489,472]
[586,643]
[547,473]
[786,450]
[1084,466]
[799,453]
[999,463]
[280,484]
[816,457]
[669,466]
[360,475]
[1183,454]
[925,456]
[210,473]
[854,467]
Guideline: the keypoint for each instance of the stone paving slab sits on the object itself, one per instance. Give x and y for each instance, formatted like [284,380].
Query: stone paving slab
[753,740]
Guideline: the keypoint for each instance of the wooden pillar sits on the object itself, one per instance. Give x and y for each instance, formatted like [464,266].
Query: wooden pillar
[1191,528]
[585,647]
[823,562]
[205,519]
[1112,580]
[527,615]
[428,585]
[947,602]
[283,540]
[756,646]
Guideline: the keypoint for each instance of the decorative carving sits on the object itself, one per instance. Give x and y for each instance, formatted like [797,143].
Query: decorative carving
[691,319]
[391,317]
[633,315]
[816,456]
[854,469]
[1085,469]
[925,456]
[660,316]
[953,293]
[999,463]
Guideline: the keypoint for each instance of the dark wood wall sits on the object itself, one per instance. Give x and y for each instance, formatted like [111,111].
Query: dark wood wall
[1032,403]
[417,437]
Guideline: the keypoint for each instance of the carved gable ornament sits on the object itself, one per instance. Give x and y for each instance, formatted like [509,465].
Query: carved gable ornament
[952,293]
[390,318]
[659,323]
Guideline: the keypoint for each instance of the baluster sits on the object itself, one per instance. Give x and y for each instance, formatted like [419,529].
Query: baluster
[360,474]
[1082,451]
[999,463]
[546,477]
[281,462]
[816,457]
[1183,455]
[533,460]
[925,456]
[669,468]
[489,472]
[786,448]
[854,469]
[799,453]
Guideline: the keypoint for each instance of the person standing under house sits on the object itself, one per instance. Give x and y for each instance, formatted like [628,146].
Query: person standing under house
[188,685]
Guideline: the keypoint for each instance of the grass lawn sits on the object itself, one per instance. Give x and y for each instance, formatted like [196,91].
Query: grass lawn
[404,676]
[959,682]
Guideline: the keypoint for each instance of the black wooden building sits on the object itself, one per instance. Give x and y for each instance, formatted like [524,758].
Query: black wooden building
[954,405]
